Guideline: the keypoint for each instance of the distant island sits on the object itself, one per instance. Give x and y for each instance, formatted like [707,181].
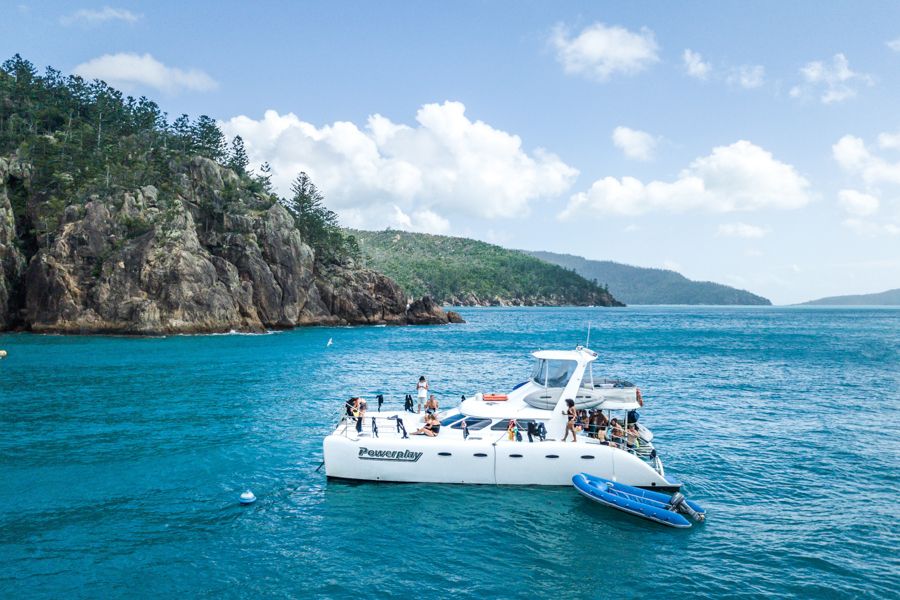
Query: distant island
[640,285]
[466,272]
[888,298]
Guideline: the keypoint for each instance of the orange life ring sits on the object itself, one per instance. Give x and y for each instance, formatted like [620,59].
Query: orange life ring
[495,397]
[640,399]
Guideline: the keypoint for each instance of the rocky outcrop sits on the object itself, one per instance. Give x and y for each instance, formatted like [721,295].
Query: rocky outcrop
[454,317]
[425,311]
[204,255]
[13,179]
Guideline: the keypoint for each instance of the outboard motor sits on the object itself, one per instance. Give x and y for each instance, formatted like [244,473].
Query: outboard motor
[679,504]
[380,398]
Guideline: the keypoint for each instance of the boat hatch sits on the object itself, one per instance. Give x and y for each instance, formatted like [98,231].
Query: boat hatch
[472,423]
[451,419]
[503,424]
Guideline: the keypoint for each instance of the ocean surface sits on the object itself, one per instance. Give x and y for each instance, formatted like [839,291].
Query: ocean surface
[122,459]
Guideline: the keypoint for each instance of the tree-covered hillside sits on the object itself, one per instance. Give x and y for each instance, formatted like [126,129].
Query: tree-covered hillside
[82,139]
[640,285]
[464,271]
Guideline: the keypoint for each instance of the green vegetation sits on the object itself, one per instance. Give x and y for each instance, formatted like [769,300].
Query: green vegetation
[459,270]
[317,224]
[84,139]
[639,285]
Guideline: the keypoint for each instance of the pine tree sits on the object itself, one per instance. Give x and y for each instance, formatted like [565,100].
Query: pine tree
[208,140]
[317,224]
[265,177]
[238,159]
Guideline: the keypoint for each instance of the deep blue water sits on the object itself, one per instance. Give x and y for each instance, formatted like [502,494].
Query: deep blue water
[121,461]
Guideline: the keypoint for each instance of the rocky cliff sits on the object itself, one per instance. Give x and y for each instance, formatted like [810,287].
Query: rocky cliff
[200,253]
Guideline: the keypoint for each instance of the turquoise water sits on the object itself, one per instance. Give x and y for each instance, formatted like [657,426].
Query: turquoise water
[121,461]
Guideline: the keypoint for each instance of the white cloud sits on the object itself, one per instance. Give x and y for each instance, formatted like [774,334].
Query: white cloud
[445,164]
[129,71]
[694,65]
[836,81]
[889,141]
[600,51]
[870,228]
[634,143]
[858,203]
[742,230]
[880,179]
[894,45]
[89,16]
[748,76]
[425,221]
[739,177]
[853,156]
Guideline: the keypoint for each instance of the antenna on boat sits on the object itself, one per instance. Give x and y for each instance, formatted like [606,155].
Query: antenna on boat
[587,343]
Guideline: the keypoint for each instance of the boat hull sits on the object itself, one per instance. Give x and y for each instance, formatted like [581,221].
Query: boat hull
[421,459]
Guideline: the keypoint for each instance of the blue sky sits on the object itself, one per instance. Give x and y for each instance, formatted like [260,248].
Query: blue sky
[754,144]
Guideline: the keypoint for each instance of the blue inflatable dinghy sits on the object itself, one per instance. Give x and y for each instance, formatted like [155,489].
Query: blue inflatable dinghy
[662,508]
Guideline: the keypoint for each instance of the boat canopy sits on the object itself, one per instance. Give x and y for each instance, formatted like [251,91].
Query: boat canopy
[618,404]
[580,354]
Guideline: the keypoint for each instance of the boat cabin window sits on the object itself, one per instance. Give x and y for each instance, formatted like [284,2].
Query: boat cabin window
[473,423]
[553,373]
[539,372]
[451,419]
[503,424]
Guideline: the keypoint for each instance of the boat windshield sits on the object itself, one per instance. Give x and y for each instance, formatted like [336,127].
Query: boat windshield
[553,373]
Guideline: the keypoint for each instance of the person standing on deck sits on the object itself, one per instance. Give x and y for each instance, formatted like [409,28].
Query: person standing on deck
[421,392]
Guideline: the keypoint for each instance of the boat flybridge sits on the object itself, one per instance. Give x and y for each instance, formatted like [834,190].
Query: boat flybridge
[476,444]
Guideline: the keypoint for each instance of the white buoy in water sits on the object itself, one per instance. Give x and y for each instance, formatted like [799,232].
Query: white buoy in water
[2,353]
[248,497]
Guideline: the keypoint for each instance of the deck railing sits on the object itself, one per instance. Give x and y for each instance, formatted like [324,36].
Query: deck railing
[374,425]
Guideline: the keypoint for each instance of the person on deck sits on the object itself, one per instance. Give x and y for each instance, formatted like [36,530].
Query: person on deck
[570,419]
[616,433]
[421,391]
[631,436]
[431,406]
[361,406]
[431,427]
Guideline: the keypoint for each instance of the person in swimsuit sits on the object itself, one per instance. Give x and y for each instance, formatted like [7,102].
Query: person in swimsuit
[431,407]
[616,434]
[570,419]
[431,428]
[631,436]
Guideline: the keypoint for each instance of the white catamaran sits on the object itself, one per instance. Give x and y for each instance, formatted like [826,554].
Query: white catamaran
[476,444]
